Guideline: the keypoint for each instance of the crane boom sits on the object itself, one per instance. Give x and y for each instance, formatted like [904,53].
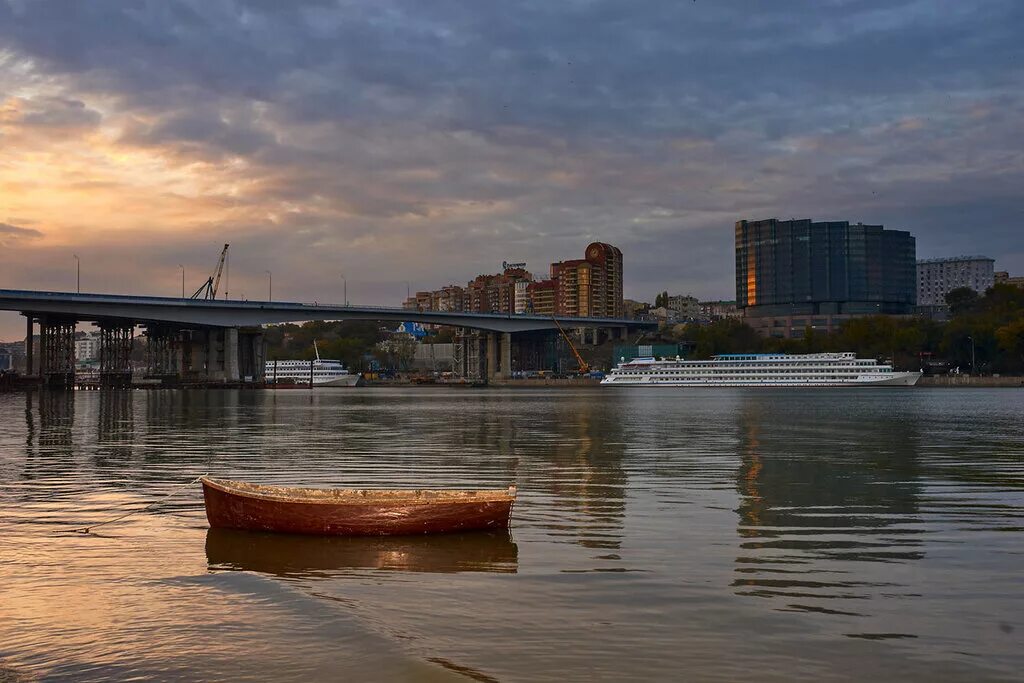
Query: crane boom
[208,290]
[584,367]
[217,273]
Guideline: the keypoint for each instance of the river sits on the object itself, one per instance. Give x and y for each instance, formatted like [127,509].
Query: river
[691,534]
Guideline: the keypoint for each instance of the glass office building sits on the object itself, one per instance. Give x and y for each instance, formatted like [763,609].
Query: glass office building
[800,273]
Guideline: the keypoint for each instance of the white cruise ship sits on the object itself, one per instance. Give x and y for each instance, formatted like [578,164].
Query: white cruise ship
[325,373]
[760,370]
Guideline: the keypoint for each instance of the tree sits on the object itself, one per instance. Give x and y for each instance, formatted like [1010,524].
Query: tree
[1011,340]
[962,300]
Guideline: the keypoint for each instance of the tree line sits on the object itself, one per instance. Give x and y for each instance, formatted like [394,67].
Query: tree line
[352,342]
[992,323]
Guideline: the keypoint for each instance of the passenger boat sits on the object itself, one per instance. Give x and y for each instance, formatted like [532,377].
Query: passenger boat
[318,372]
[760,370]
[353,512]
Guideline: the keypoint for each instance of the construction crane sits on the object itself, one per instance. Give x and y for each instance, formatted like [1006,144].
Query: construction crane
[208,290]
[584,367]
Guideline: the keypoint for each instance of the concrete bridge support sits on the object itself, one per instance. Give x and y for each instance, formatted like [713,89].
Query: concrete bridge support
[116,354]
[505,371]
[57,352]
[491,356]
[498,358]
[29,344]
[252,355]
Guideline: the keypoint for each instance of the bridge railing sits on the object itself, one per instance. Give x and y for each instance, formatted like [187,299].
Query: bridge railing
[287,305]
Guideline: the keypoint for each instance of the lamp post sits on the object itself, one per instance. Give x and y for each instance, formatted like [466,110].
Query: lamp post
[182,280]
[971,339]
[78,273]
[270,286]
[344,283]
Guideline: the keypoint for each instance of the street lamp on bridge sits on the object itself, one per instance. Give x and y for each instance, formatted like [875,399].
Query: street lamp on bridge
[270,285]
[78,273]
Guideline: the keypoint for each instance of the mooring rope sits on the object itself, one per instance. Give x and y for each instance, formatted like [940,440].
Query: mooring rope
[87,529]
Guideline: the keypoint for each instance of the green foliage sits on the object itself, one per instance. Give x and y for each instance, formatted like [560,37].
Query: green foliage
[1011,339]
[723,336]
[347,341]
[962,300]
[994,322]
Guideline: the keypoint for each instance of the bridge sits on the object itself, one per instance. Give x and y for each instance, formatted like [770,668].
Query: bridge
[220,340]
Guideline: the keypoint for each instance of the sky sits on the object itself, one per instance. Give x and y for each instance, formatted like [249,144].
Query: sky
[388,142]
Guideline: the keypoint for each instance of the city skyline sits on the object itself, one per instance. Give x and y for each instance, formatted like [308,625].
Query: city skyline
[379,144]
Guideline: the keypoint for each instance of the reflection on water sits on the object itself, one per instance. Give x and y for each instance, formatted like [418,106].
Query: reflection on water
[818,493]
[783,534]
[587,450]
[115,432]
[303,556]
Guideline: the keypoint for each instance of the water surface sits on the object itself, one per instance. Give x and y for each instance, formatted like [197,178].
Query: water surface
[659,535]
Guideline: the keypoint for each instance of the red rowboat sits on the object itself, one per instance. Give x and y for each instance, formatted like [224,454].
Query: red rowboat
[353,512]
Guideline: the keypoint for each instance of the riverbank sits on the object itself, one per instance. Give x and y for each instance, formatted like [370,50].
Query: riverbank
[969,381]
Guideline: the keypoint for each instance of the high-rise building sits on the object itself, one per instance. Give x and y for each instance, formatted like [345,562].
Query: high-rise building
[591,286]
[937,277]
[588,287]
[573,287]
[795,274]
[606,262]
[542,296]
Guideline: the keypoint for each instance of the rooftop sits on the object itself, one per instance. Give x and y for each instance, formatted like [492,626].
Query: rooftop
[955,259]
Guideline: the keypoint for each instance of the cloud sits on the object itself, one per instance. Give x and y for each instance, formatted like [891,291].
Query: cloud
[10,233]
[400,140]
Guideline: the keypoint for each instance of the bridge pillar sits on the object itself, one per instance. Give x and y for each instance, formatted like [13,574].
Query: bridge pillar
[491,357]
[252,355]
[214,355]
[116,355]
[230,337]
[29,344]
[193,353]
[505,372]
[57,352]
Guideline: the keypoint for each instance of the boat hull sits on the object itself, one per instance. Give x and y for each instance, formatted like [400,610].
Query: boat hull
[897,379]
[345,381]
[227,508]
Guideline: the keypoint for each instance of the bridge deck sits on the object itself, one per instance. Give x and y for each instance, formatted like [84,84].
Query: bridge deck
[230,313]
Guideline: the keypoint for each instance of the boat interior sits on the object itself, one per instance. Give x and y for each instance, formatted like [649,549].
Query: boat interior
[360,496]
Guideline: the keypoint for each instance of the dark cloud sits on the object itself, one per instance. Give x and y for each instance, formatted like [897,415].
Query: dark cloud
[440,137]
[56,112]
[7,230]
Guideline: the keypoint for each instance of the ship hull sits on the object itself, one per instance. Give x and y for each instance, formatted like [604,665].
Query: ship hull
[898,379]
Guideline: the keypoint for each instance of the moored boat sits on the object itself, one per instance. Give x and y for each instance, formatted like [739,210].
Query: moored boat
[353,512]
[310,373]
[761,370]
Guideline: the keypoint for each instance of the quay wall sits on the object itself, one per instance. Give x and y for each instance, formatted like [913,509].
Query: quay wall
[969,381]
